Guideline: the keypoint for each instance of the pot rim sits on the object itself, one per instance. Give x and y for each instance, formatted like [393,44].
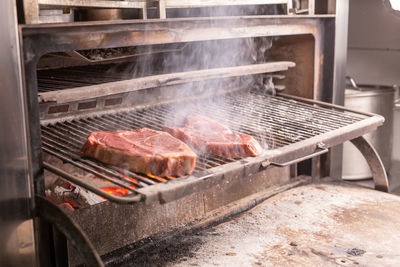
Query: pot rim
[397,103]
[355,92]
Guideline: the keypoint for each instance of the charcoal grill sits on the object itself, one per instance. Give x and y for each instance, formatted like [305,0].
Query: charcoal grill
[63,96]
[290,129]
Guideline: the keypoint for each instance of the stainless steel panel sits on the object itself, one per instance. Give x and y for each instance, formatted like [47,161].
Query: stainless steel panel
[374,43]
[339,73]
[372,26]
[17,247]
[396,131]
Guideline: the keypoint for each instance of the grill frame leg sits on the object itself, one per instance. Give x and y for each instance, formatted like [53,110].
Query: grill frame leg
[374,162]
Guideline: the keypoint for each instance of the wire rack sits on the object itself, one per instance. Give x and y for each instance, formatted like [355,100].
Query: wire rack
[58,79]
[275,121]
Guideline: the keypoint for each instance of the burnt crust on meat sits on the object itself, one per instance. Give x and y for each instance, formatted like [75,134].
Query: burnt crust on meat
[142,150]
[207,136]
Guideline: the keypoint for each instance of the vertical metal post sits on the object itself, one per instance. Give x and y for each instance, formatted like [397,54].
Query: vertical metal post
[289,6]
[316,169]
[17,242]
[31,11]
[161,9]
[35,151]
[144,11]
[339,75]
[311,7]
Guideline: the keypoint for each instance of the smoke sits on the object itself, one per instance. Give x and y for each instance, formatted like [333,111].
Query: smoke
[204,55]
[220,54]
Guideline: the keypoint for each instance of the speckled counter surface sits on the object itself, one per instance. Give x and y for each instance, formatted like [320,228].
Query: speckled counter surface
[325,224]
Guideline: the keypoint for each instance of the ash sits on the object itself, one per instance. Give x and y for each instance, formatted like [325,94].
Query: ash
[62,192]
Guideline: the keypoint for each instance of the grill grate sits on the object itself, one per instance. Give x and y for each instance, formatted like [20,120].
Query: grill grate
[275,121]
[58,79]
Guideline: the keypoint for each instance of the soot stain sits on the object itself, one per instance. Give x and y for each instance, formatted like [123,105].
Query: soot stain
[160,250]
[159,253]
[355,252]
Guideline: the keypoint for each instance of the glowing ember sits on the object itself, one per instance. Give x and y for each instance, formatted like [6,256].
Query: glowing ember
[116,191]
[68,205]
[129,178]
[156,177]
[171,177]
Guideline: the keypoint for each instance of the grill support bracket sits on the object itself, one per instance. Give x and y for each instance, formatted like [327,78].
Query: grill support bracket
[374,162]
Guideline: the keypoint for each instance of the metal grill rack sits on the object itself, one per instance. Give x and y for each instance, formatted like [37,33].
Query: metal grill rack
[283,125]
[53,80]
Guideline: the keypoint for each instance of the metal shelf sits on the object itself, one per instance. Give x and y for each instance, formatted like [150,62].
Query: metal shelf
[95,3]
[129,85]
[32,7]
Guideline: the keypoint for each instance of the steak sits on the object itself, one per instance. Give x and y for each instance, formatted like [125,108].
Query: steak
[205,135]
[142,150]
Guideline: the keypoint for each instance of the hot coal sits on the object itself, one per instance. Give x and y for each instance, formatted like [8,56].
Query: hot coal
[70,196]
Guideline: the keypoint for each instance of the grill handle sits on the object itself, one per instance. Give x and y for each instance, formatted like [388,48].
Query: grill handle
[351,82]
[319,151]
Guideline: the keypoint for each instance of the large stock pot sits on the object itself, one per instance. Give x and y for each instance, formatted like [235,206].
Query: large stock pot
[375,99]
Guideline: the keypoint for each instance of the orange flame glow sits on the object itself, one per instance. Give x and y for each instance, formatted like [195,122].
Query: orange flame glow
[129,178]
[68,205]
[171,177]
[116,191]
[156,177]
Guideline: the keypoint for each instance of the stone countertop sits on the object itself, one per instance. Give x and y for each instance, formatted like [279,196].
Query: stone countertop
[325,224]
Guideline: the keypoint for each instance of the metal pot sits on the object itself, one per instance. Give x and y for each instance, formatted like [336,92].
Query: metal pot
[396,130]
[375,99]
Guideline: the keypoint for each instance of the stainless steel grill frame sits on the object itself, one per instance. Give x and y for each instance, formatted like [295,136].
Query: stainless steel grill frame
[38,40]
[291,129]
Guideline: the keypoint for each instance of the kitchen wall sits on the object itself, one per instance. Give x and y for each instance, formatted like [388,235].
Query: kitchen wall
[374,43]
[374,49]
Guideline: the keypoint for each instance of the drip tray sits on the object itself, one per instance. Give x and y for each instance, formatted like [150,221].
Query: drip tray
[290,129]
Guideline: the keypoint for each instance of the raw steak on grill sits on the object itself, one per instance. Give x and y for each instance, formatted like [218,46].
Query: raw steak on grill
[142,150]
[209,136]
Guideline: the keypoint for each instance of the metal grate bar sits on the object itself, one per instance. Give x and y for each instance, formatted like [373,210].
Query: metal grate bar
[66,151]
[63,135]
[276,122]
[53,80]
[85,168]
